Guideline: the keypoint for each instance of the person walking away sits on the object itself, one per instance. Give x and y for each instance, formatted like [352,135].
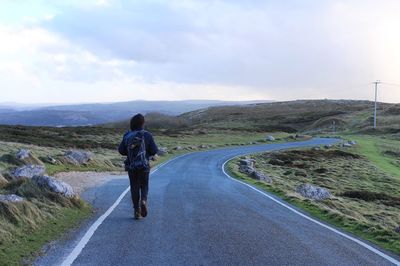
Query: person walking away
[138,146]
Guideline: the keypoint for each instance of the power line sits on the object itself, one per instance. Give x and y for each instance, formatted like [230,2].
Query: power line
[391,84]
[376,97]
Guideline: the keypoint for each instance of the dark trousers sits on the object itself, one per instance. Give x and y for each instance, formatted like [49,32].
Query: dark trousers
[139,181]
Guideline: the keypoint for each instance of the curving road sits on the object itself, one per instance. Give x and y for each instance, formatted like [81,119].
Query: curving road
[199,216]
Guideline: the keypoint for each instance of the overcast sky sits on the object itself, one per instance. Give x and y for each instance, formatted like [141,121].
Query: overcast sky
[103,51]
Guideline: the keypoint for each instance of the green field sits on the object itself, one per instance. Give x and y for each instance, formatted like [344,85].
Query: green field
[382,151]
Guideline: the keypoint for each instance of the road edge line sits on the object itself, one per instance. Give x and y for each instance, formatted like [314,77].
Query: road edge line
[92,229]
[361,243]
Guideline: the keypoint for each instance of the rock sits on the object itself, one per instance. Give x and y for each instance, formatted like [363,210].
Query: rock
[51,160]
[313,192]
[162,151]
[54,185]
[178,148]
[247,166]
[269,138]
[316,148]
[10,198]
[203,146]
[260,176]
[28,171]
[247,162]
[397,230]
[328,146]
[352,142]
[78,157]
[347,145]
[23,154]
[246,169]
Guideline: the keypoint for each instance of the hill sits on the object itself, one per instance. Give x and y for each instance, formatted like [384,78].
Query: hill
[310,116]
[98,113]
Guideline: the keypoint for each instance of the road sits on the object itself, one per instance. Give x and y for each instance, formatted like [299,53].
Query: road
[199,216]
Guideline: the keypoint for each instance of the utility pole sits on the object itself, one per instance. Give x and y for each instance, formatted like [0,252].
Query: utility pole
[376,98]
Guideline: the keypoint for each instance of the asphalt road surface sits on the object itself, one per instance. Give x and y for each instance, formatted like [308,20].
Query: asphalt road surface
[199,216]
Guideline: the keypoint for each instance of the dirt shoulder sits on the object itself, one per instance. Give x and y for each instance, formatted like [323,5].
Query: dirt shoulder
[81,181]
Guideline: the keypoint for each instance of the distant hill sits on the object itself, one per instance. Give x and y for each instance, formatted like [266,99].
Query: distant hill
[99,113]
[311,116]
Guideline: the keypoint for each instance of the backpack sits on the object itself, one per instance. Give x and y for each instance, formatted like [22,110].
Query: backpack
[136,159]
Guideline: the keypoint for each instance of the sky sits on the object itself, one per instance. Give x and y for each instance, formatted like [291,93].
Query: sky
[118,50]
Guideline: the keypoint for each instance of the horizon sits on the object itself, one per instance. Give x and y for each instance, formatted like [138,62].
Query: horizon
[19,106]
[177,50]
[54,104]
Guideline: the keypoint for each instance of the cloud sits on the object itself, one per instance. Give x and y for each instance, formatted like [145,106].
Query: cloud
[277,49]
[226,42]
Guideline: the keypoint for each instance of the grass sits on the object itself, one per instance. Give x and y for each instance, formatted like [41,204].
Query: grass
[365,199]
[26,243]
[307,116]
[43,216]
[374,147]
[106,159]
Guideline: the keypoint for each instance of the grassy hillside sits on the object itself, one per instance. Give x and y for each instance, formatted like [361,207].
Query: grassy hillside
[311,116]
[97,113]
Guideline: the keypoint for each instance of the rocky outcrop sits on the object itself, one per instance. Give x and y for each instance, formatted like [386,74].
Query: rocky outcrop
[178,148]
[51,160]
[28,171]
[162,151]
[247,166]
[269,138]
[260,176]
[10,198]
[77,157]
[313,192]
[349,144]
[23,154]
[54,185]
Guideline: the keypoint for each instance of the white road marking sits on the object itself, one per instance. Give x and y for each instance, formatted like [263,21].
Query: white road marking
[374,250]
[89,233]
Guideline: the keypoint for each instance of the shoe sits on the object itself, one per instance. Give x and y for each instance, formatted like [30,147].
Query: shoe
[143,208]
[137,214]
